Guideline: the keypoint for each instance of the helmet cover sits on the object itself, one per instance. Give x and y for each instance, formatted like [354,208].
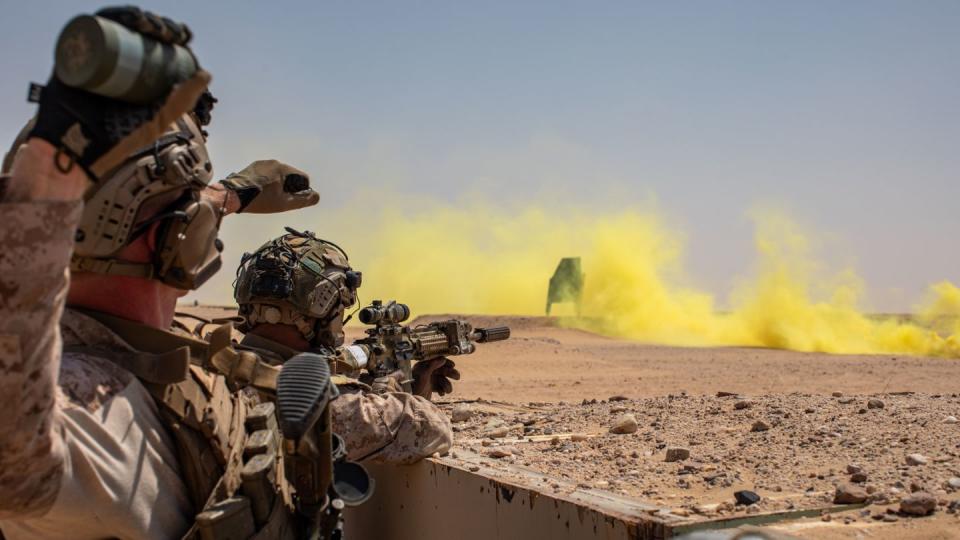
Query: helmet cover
[299,280]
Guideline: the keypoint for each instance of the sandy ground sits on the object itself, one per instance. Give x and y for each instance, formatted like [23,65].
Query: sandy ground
[815,407]
[542,362]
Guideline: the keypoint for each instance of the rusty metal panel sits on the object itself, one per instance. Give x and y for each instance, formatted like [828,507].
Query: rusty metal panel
[437,499]
[444,499]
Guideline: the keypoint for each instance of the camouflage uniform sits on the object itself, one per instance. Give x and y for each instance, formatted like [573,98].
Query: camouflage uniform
[92,449]
[85,453]
[394,427]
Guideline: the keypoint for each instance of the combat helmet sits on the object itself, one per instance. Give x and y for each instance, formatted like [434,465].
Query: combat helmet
[298,280]
[160,183]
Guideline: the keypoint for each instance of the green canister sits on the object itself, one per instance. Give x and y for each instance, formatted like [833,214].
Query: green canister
[106,58]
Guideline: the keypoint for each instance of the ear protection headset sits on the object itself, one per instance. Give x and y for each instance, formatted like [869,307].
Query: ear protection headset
[188,250]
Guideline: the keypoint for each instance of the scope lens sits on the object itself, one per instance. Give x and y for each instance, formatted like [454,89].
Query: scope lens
[369,315]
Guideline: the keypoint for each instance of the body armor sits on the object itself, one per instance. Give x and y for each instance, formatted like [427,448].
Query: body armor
[228,443]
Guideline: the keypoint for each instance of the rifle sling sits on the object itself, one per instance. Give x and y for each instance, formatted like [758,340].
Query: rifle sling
[164,357]
[166,368]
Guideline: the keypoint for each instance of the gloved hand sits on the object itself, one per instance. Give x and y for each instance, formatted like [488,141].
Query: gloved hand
[149,24]
[269,187]
[388,383]
[99,133]
[434,375]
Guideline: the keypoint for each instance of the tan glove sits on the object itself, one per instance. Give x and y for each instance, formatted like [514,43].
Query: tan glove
[434,375]
[388,383]
[270,187]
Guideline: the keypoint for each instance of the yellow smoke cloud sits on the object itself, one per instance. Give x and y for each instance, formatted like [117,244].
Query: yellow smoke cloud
[478,258]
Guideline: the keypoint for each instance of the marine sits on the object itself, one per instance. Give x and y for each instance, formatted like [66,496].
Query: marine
[116,426]
[293,293]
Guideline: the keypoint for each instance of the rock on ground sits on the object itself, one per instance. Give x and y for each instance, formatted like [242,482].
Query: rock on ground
[498,433]
[920,503]
[501,452]
[712,454]
[849,494]
[461,413]
[677,453]
[624,425]
[875,404]
[746,498]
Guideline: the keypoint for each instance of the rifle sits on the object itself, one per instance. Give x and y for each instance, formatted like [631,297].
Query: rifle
[314,459]
[390,346]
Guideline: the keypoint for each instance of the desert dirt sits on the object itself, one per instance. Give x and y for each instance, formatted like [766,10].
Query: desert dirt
[788,426]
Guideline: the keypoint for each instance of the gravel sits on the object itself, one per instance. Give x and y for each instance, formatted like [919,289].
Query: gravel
[690,451]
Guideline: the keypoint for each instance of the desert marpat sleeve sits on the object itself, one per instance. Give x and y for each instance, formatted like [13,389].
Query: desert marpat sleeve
[36,239]
[396,428]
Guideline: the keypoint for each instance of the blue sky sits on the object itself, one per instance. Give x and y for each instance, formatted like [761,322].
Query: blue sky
[846,114]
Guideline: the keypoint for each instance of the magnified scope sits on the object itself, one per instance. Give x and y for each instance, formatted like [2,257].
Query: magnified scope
[377,313]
